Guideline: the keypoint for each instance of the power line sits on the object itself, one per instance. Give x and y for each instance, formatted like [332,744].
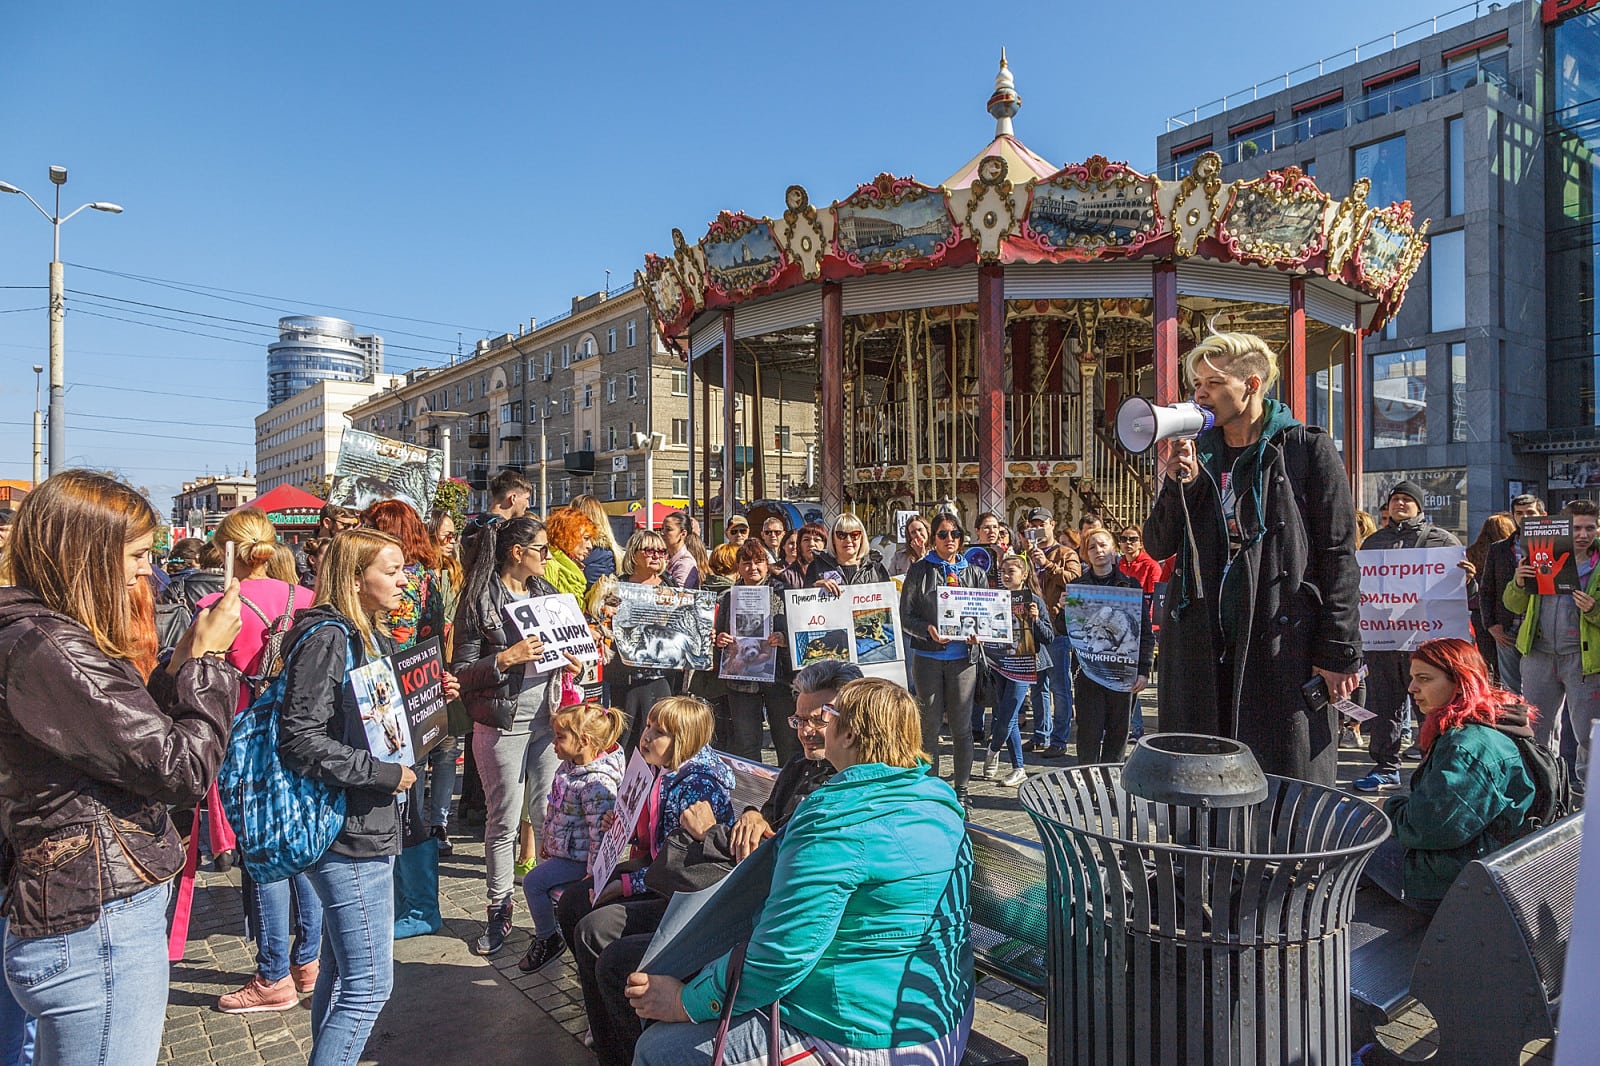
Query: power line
[178,310]
[169,329]
[20,310]
[162,421]
[163,392]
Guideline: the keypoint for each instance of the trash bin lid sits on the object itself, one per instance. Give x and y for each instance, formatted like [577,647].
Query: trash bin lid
[1194,770]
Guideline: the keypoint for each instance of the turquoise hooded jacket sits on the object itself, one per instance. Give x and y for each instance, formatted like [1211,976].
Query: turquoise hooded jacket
[865,934]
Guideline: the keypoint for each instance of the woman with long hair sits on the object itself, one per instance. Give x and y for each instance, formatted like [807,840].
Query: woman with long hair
[442,759]
[320,736]
[421,611]
[510,703]
[635,690]
[914,548]
[603,556]
[1496,527]
[286,950]
[571,540]
[96,743]
[788,568]
[1472,792]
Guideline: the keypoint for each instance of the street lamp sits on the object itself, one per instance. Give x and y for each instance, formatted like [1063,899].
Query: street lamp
[58,309]
[649,443]
[38,424]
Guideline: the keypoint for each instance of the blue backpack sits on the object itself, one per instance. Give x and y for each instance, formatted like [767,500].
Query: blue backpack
[284,822]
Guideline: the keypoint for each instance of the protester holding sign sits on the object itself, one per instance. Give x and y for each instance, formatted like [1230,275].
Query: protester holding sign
[749,702]
[1388,676]
[1560,638]
[636,689]
[1015,666]
[1499,569]
[1110,644]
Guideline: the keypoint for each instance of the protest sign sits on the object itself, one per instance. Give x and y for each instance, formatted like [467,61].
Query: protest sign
[861,625]
[901,520]
[559,624]
[1104,624]
[659,627]
[1548,543]
[401,698]
[1412,595]
[631,797]
[965,612]
[373,468]
[751,656]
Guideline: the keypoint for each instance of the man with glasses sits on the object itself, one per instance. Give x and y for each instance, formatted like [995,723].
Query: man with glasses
[1055,564]
[331,520]
[772,532]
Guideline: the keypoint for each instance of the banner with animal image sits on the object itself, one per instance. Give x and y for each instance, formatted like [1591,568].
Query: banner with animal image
[751,656]
[1104,626]
[631,796]
[659,627]
[373,468]
[861,625]
[401,698]
[965,612]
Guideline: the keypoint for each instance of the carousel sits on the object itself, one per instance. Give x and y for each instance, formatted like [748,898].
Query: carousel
[971,341]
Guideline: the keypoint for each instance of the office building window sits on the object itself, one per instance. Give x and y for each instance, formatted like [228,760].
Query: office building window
[516,372]
[633,333]
[566,401]
[458,395]
[1316,117]
[1399,398]
[1458,392]
[780,437]
[680,482]
[1447,271]
[469,391]
[633,385]
[1455,149]
[588,440]
[611,390]
[1392,92]
[680,383]
[1384,164]
[1309,167]
[611,438]
[611,340]
[680,431]
[566,356]
[532,368]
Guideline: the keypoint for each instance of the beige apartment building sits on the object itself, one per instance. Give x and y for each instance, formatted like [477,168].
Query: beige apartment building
[297,441]
[562,401]
[203,501]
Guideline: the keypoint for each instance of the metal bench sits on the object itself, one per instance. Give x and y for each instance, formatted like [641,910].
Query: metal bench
[1009,923]
[1488,966]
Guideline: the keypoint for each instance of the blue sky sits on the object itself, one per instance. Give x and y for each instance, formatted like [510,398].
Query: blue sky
[473,165]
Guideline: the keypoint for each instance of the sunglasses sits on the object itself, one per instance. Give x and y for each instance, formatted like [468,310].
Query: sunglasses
[542,549]
[1128,536]
[948,534]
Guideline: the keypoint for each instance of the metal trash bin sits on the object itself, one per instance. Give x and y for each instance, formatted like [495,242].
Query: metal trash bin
[1199,910]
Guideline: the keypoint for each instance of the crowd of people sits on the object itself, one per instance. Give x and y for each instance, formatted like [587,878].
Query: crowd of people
[120,680]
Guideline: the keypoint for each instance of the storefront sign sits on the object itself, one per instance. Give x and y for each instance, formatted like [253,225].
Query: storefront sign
[1444,492]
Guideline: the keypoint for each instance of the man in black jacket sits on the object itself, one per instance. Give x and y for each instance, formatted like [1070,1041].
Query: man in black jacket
[1389,672]
[1499,570]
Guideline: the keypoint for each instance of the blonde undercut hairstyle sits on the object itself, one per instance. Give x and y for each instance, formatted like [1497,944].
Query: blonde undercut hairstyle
[343,562]
[884,719]
[1238,355]
[688,722]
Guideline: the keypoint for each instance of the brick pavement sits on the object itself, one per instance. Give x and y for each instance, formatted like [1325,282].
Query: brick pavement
[219,959]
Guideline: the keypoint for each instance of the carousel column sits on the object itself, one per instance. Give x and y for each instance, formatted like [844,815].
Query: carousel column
[830,476]
[1169,389]
[730,472]
[705,447]
[991,389]
[1294,370]
[1355,416]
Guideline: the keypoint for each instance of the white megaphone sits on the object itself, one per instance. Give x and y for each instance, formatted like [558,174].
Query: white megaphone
[1141,423]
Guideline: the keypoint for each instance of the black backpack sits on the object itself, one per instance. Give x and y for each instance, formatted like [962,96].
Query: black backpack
[1552,786]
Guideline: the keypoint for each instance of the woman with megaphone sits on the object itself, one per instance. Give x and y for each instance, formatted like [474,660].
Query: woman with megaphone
[1266,590]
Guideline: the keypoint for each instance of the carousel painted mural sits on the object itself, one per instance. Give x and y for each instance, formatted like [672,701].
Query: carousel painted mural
[971,340]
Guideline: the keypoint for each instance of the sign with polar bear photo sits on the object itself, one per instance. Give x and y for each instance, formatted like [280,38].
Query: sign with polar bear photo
[1409,596]
[861,625]
[1104,624]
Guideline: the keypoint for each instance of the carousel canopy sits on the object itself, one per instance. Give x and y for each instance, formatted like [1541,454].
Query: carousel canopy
[1089,222]
[289,506]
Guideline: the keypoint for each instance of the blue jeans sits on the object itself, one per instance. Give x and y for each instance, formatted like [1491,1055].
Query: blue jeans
[1057,727]
[442,768]
[270,910]
[17,1030]
[550,874]
[1007,715]
[1509,662]
[100,993]
[357,972]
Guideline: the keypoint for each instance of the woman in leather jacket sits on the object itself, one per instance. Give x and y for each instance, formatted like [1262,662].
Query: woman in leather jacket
[95,742]
[944,670]
[850,562]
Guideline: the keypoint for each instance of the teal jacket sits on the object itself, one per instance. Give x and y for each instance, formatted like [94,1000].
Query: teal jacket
[1468,799]
[1520,600]
[865,934]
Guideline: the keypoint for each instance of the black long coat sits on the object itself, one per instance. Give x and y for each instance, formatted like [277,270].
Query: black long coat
[1292,598]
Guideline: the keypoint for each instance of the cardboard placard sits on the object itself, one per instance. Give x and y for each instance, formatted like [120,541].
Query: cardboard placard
[631,796]
[1547,544]
[1412,595]
[861,625]
[558,622]
[373,468]
[966,612]
[751,656]
[659,627]
[1105,624]
[402,702]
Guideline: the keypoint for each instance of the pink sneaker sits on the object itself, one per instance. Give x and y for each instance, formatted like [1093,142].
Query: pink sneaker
[305,977]
[258,996]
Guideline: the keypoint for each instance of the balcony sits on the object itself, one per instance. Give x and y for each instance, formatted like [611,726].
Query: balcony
[580,464]
[478,437]
[511,431]
[478,477]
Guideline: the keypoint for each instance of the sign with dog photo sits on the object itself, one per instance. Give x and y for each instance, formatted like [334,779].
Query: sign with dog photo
[660,627]
[861,625]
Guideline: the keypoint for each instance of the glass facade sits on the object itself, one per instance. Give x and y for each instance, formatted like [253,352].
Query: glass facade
[1572,239]
[312,349]
[1447,277]
[1384,164]
[1400,398]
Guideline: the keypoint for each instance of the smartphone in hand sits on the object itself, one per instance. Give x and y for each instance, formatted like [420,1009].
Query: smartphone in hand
[1316,695]
[227,563]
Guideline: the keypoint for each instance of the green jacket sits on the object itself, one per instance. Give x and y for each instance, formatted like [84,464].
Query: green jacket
[565,575]
[1469,798]
[1519,600]
[865,934]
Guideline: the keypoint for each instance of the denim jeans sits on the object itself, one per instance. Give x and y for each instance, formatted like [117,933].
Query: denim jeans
[550,874]
[357,972]
[271,910]
[17,1029]
[442,786]
[1509,662]
[100,993]
[1009,696]
[1058,725]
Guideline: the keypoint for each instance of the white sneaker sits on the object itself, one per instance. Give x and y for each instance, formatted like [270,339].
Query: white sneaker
[1015,777]
[991,765]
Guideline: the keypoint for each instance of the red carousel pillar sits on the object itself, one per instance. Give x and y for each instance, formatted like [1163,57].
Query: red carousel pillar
[730,473]
[1355,416]
[1169,387]
[991,389]
[830,472]
[1294,370]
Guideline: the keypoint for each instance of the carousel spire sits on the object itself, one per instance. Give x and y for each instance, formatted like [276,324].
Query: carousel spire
[1005,102]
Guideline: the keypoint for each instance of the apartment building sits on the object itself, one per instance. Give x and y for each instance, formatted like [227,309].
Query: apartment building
[297,440]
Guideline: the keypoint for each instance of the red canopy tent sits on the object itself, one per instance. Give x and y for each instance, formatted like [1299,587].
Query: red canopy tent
[290,510]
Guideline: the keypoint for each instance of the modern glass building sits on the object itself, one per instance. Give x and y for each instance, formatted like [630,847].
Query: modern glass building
[313,348]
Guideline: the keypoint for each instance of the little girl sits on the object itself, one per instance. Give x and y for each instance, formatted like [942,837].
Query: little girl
[1102,712]
[600,606]
[583,793]
[1016,666]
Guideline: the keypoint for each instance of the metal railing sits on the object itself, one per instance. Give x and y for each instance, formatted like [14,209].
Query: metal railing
[1377,46]
[1490,71]
[1123,485]
[1044,426]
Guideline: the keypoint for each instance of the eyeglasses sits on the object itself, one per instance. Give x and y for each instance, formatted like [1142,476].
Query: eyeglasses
[652,551]
[446,538]
[1129,537]
[775,531]
[815,721]
[948,534]
[849,534]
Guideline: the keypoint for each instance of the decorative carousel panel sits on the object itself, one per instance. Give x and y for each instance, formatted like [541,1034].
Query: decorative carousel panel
[1279,220]
[1345,231]
[804,232]
[1191,206]
[990,208]
[1386,253]
[663,291]
[742,255]
[691,262]
[893,222]
[1084,209]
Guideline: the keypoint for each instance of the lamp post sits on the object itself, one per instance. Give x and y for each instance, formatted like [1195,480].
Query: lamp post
[38,424]
[58,309]
[649,443]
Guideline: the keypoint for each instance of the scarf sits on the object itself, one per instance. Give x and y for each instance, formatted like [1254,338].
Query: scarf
[949,573]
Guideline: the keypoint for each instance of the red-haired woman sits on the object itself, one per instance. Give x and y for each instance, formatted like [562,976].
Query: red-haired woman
[571,539]
[1471,794]
[421,611]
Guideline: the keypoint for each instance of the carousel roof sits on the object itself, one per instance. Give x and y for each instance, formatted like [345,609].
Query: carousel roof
[1010,206]
[286,497]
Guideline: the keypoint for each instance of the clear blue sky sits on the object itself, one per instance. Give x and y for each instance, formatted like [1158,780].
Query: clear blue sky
[478,164]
